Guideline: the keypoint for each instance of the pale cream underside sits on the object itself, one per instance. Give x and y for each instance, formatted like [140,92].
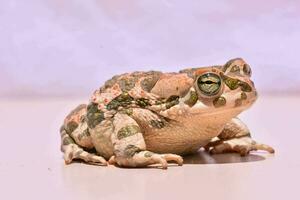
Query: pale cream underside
[184,136]
[188,134]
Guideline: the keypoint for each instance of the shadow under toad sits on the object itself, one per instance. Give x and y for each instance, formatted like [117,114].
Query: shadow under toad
[203,157]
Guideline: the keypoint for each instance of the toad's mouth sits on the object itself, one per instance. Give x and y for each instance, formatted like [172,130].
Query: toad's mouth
[222,111]
[208,110]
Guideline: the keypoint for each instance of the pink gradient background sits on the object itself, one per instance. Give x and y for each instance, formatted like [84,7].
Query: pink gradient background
[70,47]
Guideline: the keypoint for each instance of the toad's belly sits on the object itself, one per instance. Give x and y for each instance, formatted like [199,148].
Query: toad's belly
[187,135]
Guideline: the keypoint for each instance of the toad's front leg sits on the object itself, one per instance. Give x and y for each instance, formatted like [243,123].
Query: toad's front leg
[130,148]
[235,137]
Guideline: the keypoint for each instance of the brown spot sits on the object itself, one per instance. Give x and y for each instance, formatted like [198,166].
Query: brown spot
[115,87]
[243,96]
[238,102]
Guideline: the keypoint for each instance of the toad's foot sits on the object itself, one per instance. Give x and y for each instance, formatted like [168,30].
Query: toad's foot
[242,145]
[73,151]
[146,158]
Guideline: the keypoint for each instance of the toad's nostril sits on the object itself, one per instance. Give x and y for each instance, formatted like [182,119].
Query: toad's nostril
[247,69]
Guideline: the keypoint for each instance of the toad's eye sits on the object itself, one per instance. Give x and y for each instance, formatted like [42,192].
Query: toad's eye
[209,84]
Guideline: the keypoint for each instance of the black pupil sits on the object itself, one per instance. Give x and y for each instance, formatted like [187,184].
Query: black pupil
[208,82]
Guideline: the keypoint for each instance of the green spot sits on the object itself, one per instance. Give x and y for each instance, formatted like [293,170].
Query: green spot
[85,133]
[232,83]
[128,131]
[77,154]
[128,111]
[113,105]
[148,154]
[219,102]
[62,129]
[255,93]
[172,101]
[159,102]
[228,64]
[157,123]
[192,99]
[142,102]
[94,116]
[149,82]
[243,96]
[127,83]
[245,87]
[235,69]
[71,126]
[68,140]
[123,100]
[130,150]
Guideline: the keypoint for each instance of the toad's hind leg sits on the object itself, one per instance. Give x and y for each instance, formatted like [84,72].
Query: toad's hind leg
[130,148]
[235,137]
[73,151]
[76,139]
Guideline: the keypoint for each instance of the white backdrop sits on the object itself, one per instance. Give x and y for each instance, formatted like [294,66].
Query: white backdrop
[70,47]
